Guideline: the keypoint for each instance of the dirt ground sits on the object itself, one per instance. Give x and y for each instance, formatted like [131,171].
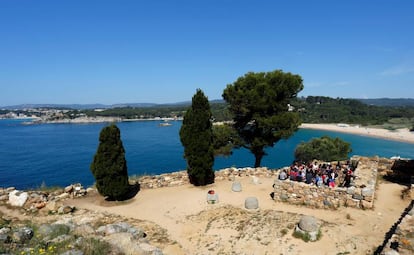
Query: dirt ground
[196,227]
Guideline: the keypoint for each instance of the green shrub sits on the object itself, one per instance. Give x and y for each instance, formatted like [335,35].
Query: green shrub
[302,235]
[324,148]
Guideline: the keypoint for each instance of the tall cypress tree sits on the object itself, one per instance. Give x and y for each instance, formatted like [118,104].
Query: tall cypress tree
[109,165]
[197,138]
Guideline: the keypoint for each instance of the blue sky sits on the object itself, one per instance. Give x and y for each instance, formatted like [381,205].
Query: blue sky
[82,51]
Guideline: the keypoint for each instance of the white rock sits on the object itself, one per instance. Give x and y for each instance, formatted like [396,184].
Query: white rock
[62,196]
[18,198]
[69,189]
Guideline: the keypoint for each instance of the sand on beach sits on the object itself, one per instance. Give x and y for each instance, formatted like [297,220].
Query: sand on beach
[402,135]
[197,227]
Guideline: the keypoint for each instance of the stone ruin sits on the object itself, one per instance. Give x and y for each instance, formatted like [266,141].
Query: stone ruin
[360,194]
[181,177]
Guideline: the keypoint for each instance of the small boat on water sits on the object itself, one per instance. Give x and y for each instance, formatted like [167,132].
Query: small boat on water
[165,124]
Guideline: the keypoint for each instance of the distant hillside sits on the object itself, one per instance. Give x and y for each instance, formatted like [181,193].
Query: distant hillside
[99,106]
[394,102]
[54,106]
[317,109]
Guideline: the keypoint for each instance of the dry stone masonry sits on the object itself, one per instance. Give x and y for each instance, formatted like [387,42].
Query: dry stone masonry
[181,177]
[360,194]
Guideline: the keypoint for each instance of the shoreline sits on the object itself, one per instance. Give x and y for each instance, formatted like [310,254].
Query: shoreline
[399,135]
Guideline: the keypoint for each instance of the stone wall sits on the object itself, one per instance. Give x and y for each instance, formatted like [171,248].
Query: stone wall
[181,178]
[360,194]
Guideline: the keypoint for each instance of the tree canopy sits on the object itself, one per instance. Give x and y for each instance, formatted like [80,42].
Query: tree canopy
[196,136]
[324,148]
[259,104]
[109,165]
[225,138]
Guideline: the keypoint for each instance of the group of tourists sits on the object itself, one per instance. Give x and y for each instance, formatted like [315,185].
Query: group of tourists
[322,174]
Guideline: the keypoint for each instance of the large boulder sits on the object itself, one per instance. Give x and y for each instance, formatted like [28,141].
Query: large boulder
[121,227]
[128,245]
[65,209]
[251,203]
[236,187]
[4,235]
[51,206]
[18,198]
[22,235]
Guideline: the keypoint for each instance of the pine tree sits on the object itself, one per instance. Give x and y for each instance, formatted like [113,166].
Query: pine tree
[197,138]
[259,104]
[109,165]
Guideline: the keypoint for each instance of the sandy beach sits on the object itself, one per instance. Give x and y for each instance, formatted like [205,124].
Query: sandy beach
[401,135]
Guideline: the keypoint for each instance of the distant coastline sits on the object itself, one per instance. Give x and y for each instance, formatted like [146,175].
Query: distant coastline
[401,135]
[86,120]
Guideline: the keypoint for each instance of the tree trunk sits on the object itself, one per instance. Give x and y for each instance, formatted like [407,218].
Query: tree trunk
[258,155]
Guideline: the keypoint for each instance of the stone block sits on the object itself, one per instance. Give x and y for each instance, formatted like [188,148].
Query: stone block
[352,202]
[284,197]
[236,187]
[367,192]
[369,198]
[251,203]
[366,204]
[357,196]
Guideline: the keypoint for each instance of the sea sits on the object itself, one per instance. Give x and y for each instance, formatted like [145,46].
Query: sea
[36,155]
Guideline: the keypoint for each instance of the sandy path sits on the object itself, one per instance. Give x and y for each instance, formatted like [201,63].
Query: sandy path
[171,208]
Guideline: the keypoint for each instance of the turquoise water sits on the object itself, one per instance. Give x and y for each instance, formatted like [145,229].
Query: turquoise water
[60,154]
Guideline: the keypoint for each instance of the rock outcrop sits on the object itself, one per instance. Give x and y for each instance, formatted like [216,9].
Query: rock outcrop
[67,235]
